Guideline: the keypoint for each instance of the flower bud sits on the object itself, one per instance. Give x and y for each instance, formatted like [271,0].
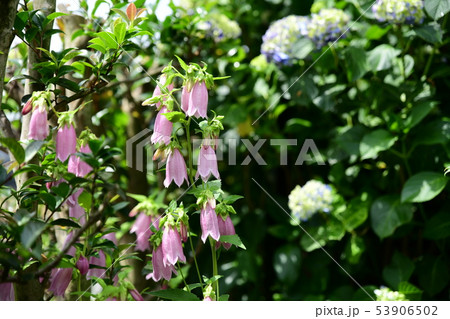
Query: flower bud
[83,265]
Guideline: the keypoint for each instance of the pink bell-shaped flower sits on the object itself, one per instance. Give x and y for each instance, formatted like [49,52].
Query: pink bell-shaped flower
[160,270]
[84,168]
[171,246]
[183,232]
[207,163]
[209,223]
[175,169]
[163,128]
[38,124]
[226,227]
[142,229]
[83,265]
[185,94]
[66,142]
[198,100]
[97,261]
[59,280]
[207,298]
[78,212]
[158,91]
[7,291]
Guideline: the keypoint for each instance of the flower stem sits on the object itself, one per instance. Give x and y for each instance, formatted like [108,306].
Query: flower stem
[195,260]
[215,271]
[182,276]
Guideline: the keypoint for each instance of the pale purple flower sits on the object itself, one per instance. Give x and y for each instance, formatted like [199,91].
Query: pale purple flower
[209,223]
[142,229]
[183,232]
[198,100]
[159,269]
[59,280]
[97,261]
[84,168]
[27,107]
[171,246]
[7,291]
[207,298]
[207,163]
[158,92]
[66,142]
[175,169]
[136,295]
[163,128]
[185,99]
[38,124]
[83,265]
[226,227]
[72,166]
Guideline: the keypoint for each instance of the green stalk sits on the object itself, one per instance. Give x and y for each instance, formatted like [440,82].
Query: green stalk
[195,260]
[215,271]
[182,276]
[190,159]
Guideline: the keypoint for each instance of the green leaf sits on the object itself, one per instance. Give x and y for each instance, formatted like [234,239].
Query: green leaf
[302,48]
[121,13]
[109,39]
[381,57]
[119,31]
[32,149]
[174,294]
[400,269]
[224,297]
[387,213]
[65,223]
[438,226]
[182,63]
[286,262]
[354,214]
[31,232]
[436,132]
[98,47]
[231,199]
[356,60]
[85,200]
[375,32]
[375,142]
[174,117]
[232,239]
[433,274]
[61,189]
[423,187]
[418,113]
[437,8]
[53,16]
[410,291]
[14,147]
[431,33]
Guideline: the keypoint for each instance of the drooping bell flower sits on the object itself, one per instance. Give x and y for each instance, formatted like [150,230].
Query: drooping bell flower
[163,128]
[72,166]
[158,91]
[171,246]
[7,291]
[97,261]
[183,232]
[226,227]
[175,169]
[38,124]
[198,100]
[207,298]
[136,295]
[185,99]
[160,270]
[77,212]
[59,280]
[142,229]
[83,265]
[209,223]
[66,142]
[84,168]
[207,163]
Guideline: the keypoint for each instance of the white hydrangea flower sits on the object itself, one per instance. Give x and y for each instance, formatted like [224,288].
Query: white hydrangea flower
[385,294]
[310,199]
[399,11]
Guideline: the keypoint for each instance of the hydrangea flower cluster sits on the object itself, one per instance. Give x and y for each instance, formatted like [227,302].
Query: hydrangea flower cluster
[327,26]
[310,199]
[279,39]
[219,27]
[385,294]
[321,28]
[399,11]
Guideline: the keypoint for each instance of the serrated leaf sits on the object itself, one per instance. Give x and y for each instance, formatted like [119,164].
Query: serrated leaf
[381,57]
[438,226]
[174,294]
[400,269]
[232,239]
[431,33]
[182,63]
[175,116]
[375,142]
[423,187]
[418,113]
[437,8]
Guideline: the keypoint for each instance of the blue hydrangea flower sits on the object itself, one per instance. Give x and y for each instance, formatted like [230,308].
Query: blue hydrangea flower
[327,26]
[279,39]
[310,199]
[219,27]
[399,11]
